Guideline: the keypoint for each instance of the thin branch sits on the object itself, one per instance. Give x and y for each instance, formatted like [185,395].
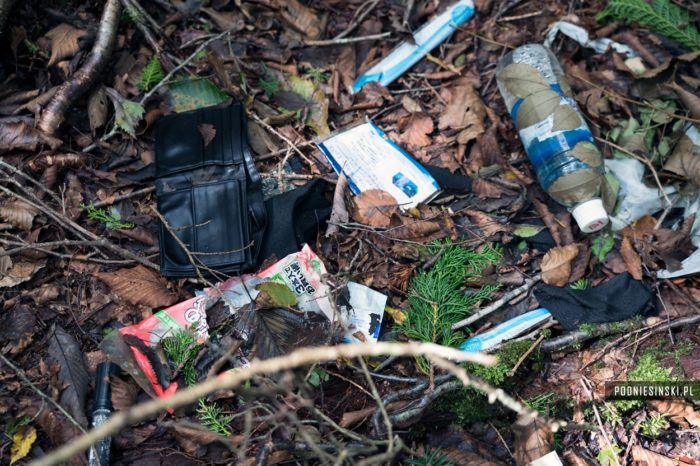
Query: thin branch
[360,15]
[230,380]
[347,40]
[496,305]
[268,127]
[54,113]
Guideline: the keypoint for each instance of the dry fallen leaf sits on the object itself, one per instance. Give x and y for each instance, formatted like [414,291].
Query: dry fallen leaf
[465,111]
[20,272]
[556,264]
[18,135]
[207,131]
[642,456]
[533,440]
[416,130]
[5,263]
[97,109]
[631,258]
[685,160]
[302,18]
[19,214]
[64,42]
[139,285]
[375,207]
[339,213]
[679,412]
[488,225]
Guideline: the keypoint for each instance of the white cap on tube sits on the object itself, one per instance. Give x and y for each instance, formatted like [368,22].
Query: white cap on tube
[590,215]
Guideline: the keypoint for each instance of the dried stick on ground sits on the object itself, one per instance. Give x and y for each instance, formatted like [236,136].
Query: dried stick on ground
[508,296]
[54,113]
[230,380]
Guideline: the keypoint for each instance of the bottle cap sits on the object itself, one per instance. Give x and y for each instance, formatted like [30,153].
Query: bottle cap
[590,215]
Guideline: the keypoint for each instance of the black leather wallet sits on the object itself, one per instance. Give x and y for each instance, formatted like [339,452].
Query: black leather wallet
[208,191]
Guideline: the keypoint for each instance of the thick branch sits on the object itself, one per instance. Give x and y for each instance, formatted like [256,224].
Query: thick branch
[54,113]
[230,380]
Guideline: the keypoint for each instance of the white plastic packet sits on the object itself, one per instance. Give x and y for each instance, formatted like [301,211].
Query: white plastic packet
[406,54]
[370,160]
[581,36]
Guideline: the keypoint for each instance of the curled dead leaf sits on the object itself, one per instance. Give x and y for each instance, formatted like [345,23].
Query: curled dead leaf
[18,135]
[375,207]
[679,412]
[64,42]
[465,111]
[302,18]
[207,131]
[139,285]
[556,264]
[19,214]
[685,159]
[632,260]
[20,272]
[533,439]
[488,224]
[416,130]
[97,109]
[641,455]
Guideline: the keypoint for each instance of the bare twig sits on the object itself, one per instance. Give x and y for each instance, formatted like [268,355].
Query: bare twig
[347,40]
[525,355]
[508,296]
[360,15]
[54,113]
[268,127]
[229,380]
[645,161]
[597,416]
[124,197]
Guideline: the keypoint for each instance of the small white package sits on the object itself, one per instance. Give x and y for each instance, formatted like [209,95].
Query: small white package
[370,160]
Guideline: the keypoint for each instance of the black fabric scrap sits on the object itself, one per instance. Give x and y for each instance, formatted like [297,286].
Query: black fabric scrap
[450,183]
[617,299]
[294,218]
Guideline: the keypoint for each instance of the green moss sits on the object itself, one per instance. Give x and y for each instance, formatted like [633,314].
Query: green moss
[470,405]
[647,369]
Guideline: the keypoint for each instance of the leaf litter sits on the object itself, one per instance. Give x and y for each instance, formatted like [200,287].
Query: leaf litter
[456,121]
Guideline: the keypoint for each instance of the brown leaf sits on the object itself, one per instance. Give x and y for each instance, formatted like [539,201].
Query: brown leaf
[573,459]
[533,440]
[207,131]
[410,105]
[375,207]
[225,20]
[679,411]
[631,258]
[18,135]
[124,393]
[139,285]
[339,213]
[685,160]
[466,458]
[464,111]
[20,272]
[302,18]
[17,328]
[191,437]
[488,224]
[556,264]
[642,456]
[65,351]
[689,99]
[416,130]
[485,189]
[97,109]
[59,430]
[64,42]
[19,214]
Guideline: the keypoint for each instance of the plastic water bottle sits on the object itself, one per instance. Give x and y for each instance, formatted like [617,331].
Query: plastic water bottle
[557,140]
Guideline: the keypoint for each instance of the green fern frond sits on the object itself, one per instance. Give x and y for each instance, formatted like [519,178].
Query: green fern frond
[661,16]
[437,298]
[151,75]
[182,348]
[211,417]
